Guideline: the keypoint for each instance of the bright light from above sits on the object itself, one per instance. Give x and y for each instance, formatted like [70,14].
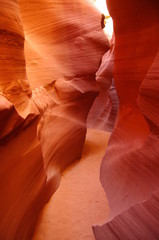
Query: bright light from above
[101,5]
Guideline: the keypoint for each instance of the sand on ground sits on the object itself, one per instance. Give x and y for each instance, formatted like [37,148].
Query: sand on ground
[80,200]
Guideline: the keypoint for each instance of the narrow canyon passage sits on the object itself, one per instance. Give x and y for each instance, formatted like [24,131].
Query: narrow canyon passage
[80,200]
[67,67]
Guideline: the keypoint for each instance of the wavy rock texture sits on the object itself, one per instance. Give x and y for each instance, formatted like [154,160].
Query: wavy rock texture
[138,222]
[130,168]
[103,112]
[47,89]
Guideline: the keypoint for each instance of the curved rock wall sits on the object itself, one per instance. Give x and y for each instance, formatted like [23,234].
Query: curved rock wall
[130,168]
[50,52]
[103,112]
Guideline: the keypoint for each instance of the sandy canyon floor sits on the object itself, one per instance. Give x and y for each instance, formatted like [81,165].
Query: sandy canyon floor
[80,200]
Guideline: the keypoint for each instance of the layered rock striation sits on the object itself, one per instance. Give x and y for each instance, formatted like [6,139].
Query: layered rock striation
[103,112]
[50,52]
[130,169]
[60,74]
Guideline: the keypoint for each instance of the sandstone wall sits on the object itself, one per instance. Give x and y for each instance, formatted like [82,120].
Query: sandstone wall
[50,52]
[130,169]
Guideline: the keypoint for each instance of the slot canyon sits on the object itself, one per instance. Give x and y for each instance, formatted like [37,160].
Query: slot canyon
[79,120]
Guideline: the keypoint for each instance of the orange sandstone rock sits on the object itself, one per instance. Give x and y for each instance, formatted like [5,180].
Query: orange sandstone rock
[50,52]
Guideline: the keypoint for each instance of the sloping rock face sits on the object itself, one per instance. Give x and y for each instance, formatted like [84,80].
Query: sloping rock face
[50,52]
[130,168]
[103,112]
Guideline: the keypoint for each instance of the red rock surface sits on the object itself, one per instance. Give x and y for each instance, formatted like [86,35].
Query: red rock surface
[138,222]
[130,169]
[50,57]
[50,52]
[103,112]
